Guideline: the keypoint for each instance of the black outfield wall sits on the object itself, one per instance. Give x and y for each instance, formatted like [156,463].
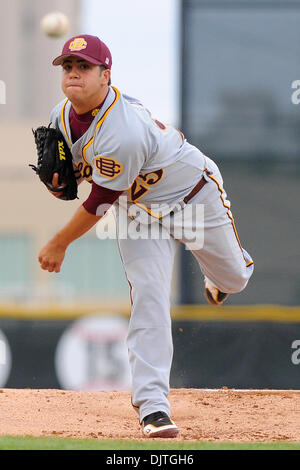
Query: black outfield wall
[208,353]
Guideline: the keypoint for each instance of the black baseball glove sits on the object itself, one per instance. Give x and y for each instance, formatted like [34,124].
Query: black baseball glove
[54,156]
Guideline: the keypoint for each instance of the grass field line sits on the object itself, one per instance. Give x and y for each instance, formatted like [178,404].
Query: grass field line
[49,443]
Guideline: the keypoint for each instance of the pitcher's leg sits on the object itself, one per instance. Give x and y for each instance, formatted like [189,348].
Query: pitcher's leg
[224,263]
[226,266]
[148,265]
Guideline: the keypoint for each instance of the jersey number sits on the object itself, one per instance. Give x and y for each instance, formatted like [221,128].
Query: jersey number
[140,188]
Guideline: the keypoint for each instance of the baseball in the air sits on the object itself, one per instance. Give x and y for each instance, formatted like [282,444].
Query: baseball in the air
[55,24]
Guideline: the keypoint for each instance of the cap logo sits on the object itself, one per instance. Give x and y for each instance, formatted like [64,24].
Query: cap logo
[78,44]
[107,60]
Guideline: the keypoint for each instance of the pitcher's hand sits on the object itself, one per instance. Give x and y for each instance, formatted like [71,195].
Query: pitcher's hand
[56,185]
[51,257]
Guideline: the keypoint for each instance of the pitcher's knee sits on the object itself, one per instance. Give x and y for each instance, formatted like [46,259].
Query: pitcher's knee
[240,285]
[237,281]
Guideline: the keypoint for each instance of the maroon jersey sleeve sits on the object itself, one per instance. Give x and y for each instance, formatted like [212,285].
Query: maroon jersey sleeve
[100,196]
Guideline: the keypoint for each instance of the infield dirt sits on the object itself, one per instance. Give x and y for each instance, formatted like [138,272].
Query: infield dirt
[219,415]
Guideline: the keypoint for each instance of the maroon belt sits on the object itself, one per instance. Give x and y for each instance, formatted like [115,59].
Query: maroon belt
[195,190]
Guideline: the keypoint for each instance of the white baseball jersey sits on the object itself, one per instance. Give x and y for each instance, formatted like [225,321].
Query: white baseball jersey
[125,149]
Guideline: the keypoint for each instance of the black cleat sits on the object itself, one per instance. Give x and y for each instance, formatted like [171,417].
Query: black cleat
[159,424]
[213,295]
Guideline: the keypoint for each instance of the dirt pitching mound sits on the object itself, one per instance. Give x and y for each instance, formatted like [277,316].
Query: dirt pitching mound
[214,415]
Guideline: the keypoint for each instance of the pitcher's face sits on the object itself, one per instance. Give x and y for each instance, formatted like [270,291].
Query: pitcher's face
[83,82]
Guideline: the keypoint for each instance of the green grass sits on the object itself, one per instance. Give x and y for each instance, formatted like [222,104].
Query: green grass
[52,443]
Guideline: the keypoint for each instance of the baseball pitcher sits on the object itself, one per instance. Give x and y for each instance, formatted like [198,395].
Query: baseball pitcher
[152,177]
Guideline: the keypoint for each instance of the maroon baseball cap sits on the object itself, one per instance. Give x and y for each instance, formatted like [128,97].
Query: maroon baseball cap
[87,47]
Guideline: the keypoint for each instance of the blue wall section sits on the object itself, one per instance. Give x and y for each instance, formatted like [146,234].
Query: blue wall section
[16,265]
[93,268]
